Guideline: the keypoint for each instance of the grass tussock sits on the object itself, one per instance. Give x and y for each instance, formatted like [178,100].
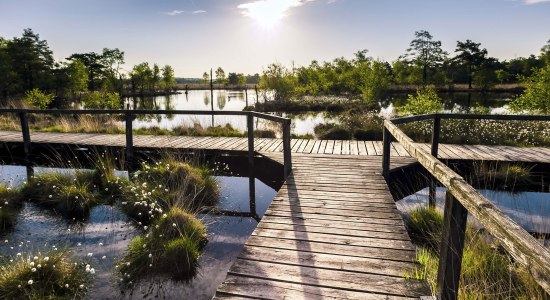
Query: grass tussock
[487,271]
[171,247]
[167,183]
[10,205]
[504,176]
[72,196]
[52,275]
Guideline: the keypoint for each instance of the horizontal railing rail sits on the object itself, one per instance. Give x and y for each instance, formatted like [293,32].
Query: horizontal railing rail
[129,117]
[462,199]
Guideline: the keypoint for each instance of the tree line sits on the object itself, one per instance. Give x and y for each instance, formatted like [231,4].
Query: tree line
[423,63]
[232,78]
[27,65]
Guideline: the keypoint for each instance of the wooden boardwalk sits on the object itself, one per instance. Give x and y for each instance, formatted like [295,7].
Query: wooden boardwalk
[265,145]
[332,231]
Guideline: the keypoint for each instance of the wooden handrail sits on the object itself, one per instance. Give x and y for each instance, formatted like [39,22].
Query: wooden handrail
[523,247]
[129,114]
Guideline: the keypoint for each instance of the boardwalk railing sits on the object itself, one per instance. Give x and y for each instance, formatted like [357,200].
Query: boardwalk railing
[462,199]
[130,114]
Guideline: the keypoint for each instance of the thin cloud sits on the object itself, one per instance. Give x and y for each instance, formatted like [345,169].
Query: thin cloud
[174,12]
[179,12]
[529,2]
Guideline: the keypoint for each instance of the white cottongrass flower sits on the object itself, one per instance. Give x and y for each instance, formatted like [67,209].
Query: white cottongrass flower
[33,270]
[30,282]
[46,258]
[66,285]
[90,254]
[150,255]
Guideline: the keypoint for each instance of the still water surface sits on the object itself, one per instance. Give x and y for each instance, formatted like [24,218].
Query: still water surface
[108,232]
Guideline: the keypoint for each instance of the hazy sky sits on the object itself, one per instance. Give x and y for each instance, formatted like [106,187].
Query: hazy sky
[247,35]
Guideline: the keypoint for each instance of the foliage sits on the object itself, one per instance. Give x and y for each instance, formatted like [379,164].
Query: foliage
[483,132]
[102,100]
[220,75]
[51,275]
[77,77]
[425,53]
[280,81]
[471,55]
[39,99]
[168,79]
[426,101]
[536,97]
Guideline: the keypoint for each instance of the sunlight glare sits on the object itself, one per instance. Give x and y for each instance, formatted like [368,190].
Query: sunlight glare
[269,13]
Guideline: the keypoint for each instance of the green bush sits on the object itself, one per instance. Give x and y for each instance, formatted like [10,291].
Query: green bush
[426,101]
[536,97]
[102,100]
[39,99]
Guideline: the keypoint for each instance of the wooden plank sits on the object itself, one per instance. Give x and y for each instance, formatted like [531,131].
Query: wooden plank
[330,147]
[327,261]
[337,147]
[239,287]
[395,286]
[346,147]
[377,147]
[322,147]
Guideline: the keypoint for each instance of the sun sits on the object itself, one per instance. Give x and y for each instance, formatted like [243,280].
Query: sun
[268,13]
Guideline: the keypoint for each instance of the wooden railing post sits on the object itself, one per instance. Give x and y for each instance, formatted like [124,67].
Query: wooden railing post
[452,244]
[26,134]
[286,148]
[435,135]
[386,153]
[435,150]
[250,127]
[129,141]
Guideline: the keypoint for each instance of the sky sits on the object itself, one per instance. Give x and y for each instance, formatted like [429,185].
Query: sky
[245,36]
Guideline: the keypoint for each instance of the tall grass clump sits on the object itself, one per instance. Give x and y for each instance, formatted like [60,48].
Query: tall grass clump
[487,271]
[70,196]
[10,205]
[505,175]
[167,183]
[52,275]
[171,247]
